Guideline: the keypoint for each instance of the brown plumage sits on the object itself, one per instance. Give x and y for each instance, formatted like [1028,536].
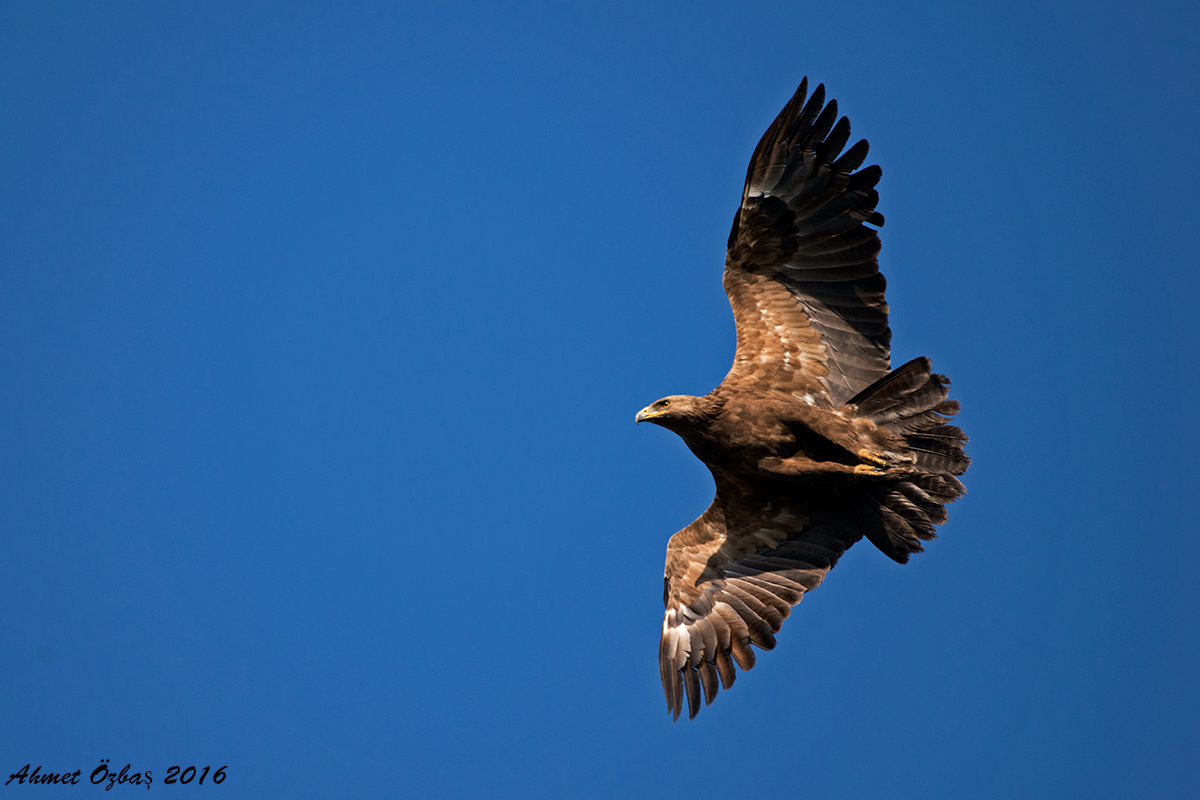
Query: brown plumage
[811,441]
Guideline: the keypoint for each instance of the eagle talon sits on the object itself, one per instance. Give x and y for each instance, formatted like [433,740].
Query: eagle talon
[867,469]
[871,458]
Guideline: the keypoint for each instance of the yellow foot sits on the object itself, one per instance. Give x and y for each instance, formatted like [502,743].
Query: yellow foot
[867,469]
[868,457]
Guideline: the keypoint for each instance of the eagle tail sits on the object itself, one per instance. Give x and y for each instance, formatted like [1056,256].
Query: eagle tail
[913,403]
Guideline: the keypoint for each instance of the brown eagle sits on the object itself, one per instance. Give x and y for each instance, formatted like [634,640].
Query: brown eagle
[812,440]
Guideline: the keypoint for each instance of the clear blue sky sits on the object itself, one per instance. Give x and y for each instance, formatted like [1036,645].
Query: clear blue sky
[322,329]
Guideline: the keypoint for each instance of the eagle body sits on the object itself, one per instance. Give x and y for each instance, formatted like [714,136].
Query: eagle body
[813,441]
[772,438]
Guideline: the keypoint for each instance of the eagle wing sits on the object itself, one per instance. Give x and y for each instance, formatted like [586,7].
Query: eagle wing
[801,270]
[732,577]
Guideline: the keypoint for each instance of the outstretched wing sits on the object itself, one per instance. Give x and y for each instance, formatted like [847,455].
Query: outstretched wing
[801,270]
[732,577]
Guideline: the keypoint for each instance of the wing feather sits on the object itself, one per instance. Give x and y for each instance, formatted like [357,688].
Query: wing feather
[800,240]
[732,578]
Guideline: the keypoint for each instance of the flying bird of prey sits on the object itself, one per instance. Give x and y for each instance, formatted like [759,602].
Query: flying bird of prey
[812,440]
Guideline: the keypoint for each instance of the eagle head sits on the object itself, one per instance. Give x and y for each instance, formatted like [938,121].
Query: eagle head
[679,411]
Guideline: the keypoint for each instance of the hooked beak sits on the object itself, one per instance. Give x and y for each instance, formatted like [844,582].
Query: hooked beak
[646,414]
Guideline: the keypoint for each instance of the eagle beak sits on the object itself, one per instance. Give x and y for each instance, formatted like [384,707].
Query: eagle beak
[641,417]
[646,414]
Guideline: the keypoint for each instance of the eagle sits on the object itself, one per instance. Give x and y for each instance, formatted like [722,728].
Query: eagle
[812,439]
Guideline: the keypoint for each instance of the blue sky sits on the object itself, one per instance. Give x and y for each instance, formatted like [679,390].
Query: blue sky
[323,328]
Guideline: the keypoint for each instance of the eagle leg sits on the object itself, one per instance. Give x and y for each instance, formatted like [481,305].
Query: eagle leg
[802,467]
